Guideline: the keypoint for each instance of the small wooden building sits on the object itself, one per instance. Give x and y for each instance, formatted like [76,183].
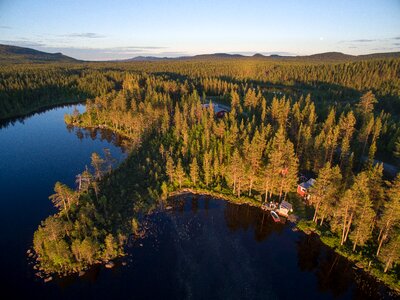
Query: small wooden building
[302,188]
[285,208]
[219,109]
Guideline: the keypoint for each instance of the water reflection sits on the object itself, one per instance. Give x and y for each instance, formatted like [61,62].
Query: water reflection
[34,154]
[203,248]
[246,217]
[102,135]
[335,274]
[8,122]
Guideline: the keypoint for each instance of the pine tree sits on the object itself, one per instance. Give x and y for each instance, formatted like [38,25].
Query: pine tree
[366,104]
[63,197]
[290,170]
[253,157]
[194,171]
[344,215]
[170,168]
[346,128]
[363,222]
[98,165]
[276,161]
[325,190]
[235,171]
[250,99]
[235,99]
[391,213]
[365,133]
[391,252]
[207,168]
[354,201]
[179,173]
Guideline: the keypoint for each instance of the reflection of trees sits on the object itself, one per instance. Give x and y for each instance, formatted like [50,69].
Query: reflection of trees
[207,203]
[101,134]
[247,217]
[79,134]
[334,273]
[308,250]
[178,204]
[195,204]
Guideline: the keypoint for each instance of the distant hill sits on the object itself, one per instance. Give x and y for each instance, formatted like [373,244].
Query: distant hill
[380,55]
[144,58]
[339,56]
[327,56]
[217,56]
[200,56]
[15,54]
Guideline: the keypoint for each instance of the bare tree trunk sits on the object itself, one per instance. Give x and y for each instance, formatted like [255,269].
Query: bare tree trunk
[380,233]
[316,211]
[387,265]
[344,227]
[384,236]
[322,220]
[348,227]
[280,191]
[266,192]
[355,243]
[234,184]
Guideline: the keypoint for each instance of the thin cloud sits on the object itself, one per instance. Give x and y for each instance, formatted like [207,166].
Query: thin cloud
[128,48]
[23,43]
[5,27]
[111,53]
[384,48]
[87,35]
[363,41]
[169,54]
[358,41]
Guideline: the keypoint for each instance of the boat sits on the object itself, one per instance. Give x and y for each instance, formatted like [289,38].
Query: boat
[269,206]
[275,216]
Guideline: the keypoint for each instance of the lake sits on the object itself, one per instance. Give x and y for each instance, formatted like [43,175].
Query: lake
[200,248]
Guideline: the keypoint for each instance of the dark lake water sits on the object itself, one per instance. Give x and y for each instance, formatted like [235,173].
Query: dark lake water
[201,248]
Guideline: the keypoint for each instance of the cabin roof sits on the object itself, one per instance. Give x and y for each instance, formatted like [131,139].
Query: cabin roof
[217,108]
[285,204]
[309,183]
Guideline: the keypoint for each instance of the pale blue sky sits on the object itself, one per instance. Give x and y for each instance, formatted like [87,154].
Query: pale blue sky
[99,30]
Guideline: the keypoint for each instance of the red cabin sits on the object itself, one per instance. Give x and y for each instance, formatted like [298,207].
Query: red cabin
[302,188]
[221,114]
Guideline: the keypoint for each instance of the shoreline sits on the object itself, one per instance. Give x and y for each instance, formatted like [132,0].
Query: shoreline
[252,202]
[358,265]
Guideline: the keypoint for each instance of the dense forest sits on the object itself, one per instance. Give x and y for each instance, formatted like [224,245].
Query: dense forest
[254,152]
[26,88]
[330,120]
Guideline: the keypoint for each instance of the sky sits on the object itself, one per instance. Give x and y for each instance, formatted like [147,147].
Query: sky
[119,29]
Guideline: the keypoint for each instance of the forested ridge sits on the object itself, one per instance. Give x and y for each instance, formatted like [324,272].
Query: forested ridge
[287,117]
[28,87]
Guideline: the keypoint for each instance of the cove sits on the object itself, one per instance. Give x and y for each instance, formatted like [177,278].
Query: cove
[34,154]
